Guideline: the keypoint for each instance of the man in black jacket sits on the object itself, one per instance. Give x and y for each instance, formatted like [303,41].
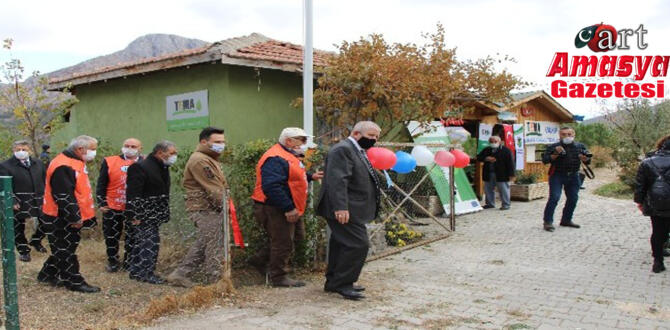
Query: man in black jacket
[349,199]
[565,158]
[498,172]
[648,174]
[28,175]
[148,205]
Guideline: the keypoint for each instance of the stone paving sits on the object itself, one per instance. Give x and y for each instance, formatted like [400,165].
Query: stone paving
[499,270]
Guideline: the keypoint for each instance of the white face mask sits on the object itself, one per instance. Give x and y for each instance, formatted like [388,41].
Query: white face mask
[494,145]
[90,155]
[129,152]
[171,160]
[21,154]
[218,147]
[303,148]
[568,140]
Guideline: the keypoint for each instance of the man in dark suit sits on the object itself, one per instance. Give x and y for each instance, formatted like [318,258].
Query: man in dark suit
[349,199]
[498,171]
[148,205]
[28,177]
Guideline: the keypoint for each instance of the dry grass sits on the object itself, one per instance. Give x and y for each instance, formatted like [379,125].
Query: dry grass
[117,305]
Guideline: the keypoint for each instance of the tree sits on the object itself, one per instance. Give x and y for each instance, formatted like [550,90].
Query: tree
[637,125]
[597,134]
[35,111]
[393,84]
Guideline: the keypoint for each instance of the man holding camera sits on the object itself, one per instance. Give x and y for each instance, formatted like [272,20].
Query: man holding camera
[565,158]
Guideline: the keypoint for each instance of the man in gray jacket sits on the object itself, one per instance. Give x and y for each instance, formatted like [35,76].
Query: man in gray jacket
[349,199]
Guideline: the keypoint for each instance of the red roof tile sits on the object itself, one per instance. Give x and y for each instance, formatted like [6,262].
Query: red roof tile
[278,51]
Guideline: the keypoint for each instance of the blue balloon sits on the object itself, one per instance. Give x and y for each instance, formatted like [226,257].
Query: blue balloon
[405,163]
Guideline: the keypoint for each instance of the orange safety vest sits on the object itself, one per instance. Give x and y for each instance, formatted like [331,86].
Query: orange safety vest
[117,170]
[82,188]
[297,177]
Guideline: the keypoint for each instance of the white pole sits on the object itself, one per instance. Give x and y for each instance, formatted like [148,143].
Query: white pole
[308,76]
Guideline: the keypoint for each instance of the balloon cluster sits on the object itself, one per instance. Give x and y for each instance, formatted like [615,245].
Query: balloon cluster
[402,162]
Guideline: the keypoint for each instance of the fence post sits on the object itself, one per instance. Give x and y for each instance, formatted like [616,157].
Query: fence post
[11,304]
[227,260]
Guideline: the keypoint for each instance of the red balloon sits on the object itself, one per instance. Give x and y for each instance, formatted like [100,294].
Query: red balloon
[462,159]
[444,158]
[381,158]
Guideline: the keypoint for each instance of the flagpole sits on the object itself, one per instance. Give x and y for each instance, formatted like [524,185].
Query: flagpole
[308,76]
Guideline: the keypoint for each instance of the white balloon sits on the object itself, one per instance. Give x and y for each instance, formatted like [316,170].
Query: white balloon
[458,134]
[423,156]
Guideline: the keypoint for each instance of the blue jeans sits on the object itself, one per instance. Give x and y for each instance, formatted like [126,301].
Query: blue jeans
[557,182]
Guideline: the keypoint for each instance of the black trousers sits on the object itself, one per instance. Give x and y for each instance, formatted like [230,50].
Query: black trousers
[660,227]
[144,253]
[113,224]
[348,249]
[62,265]
[20,233]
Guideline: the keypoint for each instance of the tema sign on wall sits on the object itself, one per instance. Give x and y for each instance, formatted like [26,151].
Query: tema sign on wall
[187,111]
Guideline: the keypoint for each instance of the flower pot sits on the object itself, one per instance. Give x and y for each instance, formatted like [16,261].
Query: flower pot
[528,192]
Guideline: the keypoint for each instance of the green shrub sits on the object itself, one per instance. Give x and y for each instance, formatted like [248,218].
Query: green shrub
[526,178]
[619,190]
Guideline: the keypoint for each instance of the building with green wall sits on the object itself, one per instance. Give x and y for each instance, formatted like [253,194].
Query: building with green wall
[250,83]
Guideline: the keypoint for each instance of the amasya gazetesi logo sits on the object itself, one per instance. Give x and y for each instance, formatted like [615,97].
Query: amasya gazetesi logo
[601,38]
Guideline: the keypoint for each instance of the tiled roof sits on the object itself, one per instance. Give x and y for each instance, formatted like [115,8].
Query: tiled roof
[278,51]
[181,54]
[254,49]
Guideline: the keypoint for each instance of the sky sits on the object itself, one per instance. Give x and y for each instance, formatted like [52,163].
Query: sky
[49,35]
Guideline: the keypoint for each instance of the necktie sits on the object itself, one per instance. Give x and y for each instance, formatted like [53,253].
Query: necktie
[372,172]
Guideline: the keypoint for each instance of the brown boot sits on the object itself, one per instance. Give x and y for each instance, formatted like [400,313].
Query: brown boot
[285,282]
[176,278]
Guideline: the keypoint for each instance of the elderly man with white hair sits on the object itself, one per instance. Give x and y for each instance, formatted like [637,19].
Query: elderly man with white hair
[280,199]
[498,172]
[68,206]
[349,199]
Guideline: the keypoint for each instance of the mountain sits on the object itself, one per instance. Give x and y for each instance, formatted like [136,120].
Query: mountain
[150,45]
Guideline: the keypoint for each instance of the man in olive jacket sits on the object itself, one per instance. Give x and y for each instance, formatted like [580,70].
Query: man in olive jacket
[205,186]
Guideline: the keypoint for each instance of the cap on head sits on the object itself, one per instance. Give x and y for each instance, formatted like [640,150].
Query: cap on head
[292,132]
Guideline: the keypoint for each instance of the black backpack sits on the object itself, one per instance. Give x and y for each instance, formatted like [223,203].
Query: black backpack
[659,193]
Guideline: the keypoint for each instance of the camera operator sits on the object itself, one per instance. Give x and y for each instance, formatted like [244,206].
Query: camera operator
[565,158]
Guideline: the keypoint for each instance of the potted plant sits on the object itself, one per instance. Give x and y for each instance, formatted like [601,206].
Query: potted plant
[526,187]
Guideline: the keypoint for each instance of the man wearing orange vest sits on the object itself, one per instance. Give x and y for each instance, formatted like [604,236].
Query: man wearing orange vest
[68,206]
[111,195]
[280,199]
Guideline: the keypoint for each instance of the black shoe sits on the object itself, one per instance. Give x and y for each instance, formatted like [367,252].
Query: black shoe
[37,245]
[52,281]
[84,288]
[358,288]
[548,227]
[488,207]
[25,257]
[504,208]
[152,279]
[570,224]
[658,266]
[666,252]
[112,267]
[349,293]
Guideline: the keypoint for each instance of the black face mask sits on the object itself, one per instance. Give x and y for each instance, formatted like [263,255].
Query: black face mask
[366,143]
